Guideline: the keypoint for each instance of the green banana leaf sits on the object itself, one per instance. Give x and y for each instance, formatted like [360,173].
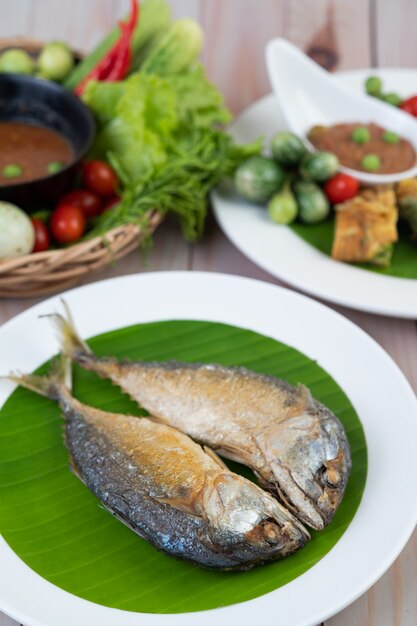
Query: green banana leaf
[56,526]
[403,264]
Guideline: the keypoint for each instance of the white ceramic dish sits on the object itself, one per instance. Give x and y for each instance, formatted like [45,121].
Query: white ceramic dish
[282,253]
[318,98]
[375,536]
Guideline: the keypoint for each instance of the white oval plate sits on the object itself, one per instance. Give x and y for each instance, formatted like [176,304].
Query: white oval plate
[279,251]
[374,384]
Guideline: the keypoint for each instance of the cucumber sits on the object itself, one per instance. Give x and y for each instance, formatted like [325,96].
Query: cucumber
[258,178]
[319,166]
[313,205]
[287,149]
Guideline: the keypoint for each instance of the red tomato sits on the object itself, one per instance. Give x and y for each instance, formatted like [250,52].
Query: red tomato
[410,106]
[87,201]
[67,223]
[111,202]
[340,188]
[99,178]
[42,238]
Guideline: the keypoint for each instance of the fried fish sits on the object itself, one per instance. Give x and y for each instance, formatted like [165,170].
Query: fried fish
[295,445]
[168,489]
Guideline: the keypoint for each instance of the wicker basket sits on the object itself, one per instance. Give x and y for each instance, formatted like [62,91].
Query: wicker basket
[54,270]
[45,272]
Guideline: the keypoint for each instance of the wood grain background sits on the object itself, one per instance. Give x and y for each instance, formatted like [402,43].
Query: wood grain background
[342,34]
[345,34]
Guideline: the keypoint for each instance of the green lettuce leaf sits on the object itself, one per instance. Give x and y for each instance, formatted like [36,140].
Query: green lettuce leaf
[135,118]
[199,101]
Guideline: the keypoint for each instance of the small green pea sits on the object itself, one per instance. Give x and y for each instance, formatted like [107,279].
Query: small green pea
[12,170]
[392,98]
[54,167]
[390,137]
[371,162]
[361,135]
[373,85]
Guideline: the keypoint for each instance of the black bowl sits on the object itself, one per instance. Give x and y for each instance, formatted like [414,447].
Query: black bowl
[44,103]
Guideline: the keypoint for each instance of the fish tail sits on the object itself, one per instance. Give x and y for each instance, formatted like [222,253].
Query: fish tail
[70,341]
[51,386]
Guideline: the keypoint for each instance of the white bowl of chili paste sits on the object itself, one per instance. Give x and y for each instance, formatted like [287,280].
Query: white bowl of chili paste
[375,142]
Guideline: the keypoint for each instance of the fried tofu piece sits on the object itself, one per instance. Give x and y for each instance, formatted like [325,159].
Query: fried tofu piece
[366,227]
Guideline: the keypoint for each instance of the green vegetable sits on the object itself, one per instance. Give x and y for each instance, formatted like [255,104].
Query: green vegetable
[282,207]
[138,119]
[199,102]
[17,234]
[319,166]
[313,205]
[361,134]
[12,170]
[200,158]
[154,17]
[42,214]
[371,162]
[16,61]
[287,149]
[382,258]
[54,167]
[174,50]
[408,212]
[55,60]
[258,178]
[392,98]
[373,85]
[157,132]
[390,137]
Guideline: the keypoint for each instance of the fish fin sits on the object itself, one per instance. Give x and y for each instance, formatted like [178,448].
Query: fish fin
[74,470]
[70,341]
[236,454]
[49,386]
[214,456]
[180,505]
[154,418]
[305,396]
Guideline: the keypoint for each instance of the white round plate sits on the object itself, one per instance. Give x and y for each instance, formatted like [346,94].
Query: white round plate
[373,383]
[279,251]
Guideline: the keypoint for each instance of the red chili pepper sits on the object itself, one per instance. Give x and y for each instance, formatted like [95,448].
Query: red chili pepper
[115,64]
[410,105]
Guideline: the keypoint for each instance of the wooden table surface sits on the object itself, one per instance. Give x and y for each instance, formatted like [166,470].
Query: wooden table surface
[344,34]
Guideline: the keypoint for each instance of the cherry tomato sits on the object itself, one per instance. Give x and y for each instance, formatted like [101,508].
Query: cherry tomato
[42,238]
[111,202]
[99,178]
[340,188]
[67,223]
[87,201]
[410,106]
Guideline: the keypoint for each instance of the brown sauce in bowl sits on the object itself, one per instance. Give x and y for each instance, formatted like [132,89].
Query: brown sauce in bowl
[394,157]
[30,150]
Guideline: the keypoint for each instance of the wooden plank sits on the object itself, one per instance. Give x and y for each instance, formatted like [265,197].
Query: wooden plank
[236,33]
[395,34]
[337,31]
[79,23]
[15,18]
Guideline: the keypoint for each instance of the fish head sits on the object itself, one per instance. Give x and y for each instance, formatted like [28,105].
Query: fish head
[242,514]
[307,461]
